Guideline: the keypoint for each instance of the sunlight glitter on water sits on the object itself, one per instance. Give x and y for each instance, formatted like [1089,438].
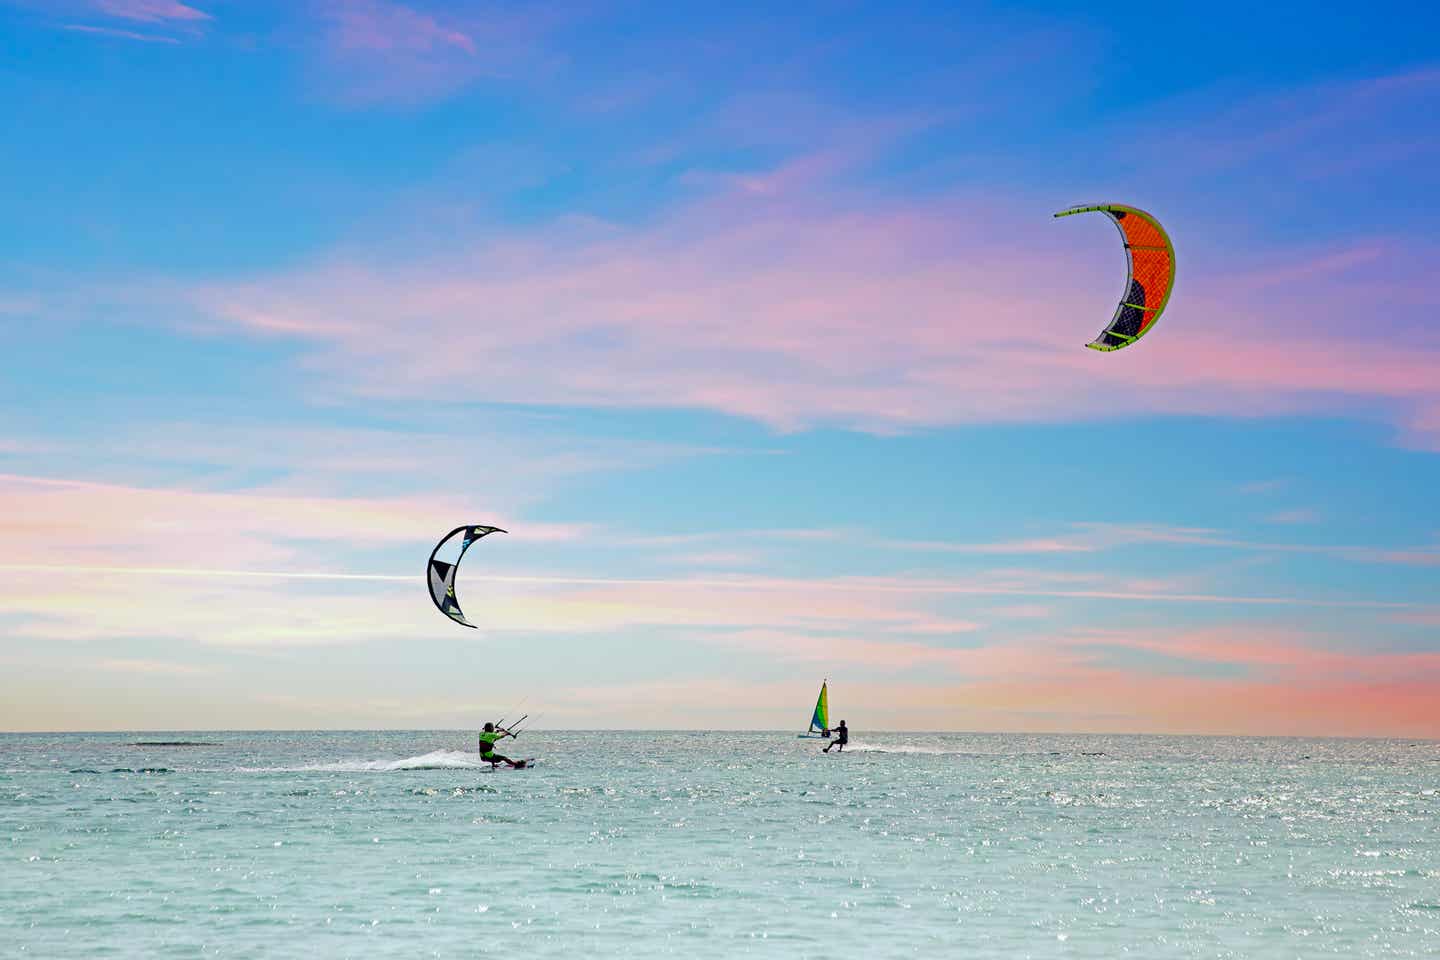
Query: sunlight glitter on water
[668,844]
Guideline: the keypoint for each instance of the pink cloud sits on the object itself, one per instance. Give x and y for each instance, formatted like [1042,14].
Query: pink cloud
[1039,546]
[150,11]
[1297,128]
[1292,685]
[378,51]
[380,27]
[796,314]
[718,558]
[1426,618]
[583,604]
[1300,515]
[199,611]
[847,626]
[1020,687]
[1422,427]
[1130,703]
[122,34]
[840,652]
[161,667]
[1422,557]
[82,522]
[1280,654]
[819,600]
[515,462]
[1105,535]
[1022,611]
[881,626]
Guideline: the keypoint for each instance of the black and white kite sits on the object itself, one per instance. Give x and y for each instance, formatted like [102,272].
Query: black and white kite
[441,575]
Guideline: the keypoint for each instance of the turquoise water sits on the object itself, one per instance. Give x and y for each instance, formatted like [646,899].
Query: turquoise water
[746,845]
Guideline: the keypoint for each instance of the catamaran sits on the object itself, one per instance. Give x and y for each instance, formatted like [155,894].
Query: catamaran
[820,719]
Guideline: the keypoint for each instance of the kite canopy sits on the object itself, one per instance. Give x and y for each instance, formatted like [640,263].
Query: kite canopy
[441,575]
[1150,269]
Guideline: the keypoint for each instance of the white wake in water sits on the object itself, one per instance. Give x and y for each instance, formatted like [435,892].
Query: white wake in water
[947,751]
[434,760]
[856,747]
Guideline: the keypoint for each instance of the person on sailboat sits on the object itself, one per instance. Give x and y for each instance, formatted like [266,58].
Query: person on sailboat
[842,737]
[488,737]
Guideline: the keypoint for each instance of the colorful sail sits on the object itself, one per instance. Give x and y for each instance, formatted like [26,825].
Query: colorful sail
[1150,274]
[820,720]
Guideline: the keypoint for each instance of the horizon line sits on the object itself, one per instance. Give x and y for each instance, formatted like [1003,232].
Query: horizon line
[737,730]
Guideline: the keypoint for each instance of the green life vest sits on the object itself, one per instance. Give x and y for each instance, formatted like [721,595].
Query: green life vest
[487,742]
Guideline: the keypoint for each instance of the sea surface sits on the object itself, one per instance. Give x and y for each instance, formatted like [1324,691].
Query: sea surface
[399,844]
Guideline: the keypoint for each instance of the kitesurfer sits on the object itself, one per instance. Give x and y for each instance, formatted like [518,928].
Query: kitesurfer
[842,737]
[488,738]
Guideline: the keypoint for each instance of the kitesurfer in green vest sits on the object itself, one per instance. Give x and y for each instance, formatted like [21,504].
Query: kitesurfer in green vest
[842,737]
[488,737]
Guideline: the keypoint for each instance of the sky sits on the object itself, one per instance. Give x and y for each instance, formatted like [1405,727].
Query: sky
[752,326]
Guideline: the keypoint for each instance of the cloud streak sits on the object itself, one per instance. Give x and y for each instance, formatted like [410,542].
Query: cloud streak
[378,52]
[795,313]
[151,11]
[122,34]
[1006,585]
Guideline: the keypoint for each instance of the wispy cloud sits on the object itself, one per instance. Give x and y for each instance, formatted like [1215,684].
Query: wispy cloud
[378,26]
[1297,516]
[1421,429]
[153,667]
[169,527]
[1424,618]
[1038,546]
[1263,487]
[1288,684]
[1278,654]
[150,11]
[661,599]
[795,313]
[838,652]
[1021,611]
[122,34]
[383,52]
[1291,129]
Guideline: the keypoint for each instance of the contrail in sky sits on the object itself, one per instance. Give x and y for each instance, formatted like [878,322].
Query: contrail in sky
[846,586]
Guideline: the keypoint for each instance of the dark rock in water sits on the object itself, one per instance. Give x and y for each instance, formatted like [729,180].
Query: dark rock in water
[175,743]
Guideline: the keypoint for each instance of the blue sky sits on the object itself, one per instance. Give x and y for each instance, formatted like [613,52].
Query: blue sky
[755,331]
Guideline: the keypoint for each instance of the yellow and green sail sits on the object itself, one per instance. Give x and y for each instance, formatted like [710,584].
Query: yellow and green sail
[820,720]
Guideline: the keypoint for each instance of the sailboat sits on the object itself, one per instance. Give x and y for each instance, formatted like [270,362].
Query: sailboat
[820,719]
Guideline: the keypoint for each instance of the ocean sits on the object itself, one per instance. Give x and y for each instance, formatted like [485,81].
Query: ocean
[668,844]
